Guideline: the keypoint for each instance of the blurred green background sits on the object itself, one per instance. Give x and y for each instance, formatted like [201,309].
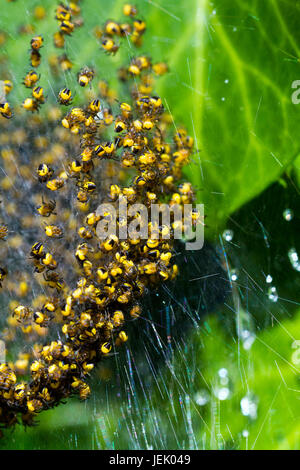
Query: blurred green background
[231,380]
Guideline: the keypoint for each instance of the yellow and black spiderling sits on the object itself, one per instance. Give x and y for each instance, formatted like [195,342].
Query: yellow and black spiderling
[3,231]
[65,63]
[58,39]
[35,58]
[44,172]
[30,79]
[111,28]
[63,12]
[30,104]
[109,45]
[67,27]
[95,106]
[36,43]
[37,250]
[65,97]
[6,110]
[129,10]
[8,86]
[85,76]
[46,208]
[38,94]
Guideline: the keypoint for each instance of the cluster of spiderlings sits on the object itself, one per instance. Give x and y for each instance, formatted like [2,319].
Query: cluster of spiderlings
[80,288]
[68,19]
[133,31]
[141,70]
[37,98]
[66,24]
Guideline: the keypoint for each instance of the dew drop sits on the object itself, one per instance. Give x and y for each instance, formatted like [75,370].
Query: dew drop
[234,275]
[223,393]
[269,279]
[202,397]
[248,339]
[228,235]
[249,406]
[245,433]
[223,372]
[272,294]
[288,214]
[294,259]
[226,81]
[222,390]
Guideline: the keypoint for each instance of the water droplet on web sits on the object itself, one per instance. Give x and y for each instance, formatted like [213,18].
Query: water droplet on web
[249,406]
[223,372]
[202,397]
[228,235]
[234,275]
[272,294]
[245,328]
[248,339]
[223,393]
[269,279]
[222,390]
[294,259]
[288,214]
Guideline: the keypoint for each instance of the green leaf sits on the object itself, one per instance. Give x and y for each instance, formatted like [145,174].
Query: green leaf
[230,81]
[270,370]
